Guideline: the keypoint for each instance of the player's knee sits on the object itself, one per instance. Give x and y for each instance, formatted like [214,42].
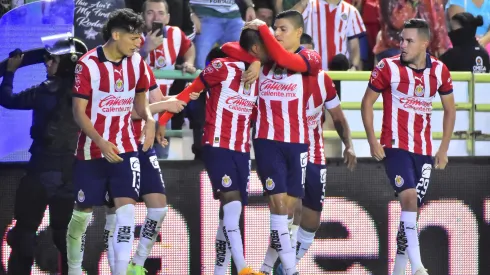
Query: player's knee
[125,214]
[79,223]
[227,197]
[278,204]
[408,199]
[23,241]
[310,219]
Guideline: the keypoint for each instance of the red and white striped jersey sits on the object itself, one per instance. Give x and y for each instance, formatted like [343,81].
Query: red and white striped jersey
[324,95]
[110,89]
[331,26]
[283,95]
[407,101]
[175,44]
[139,124]
[229,105]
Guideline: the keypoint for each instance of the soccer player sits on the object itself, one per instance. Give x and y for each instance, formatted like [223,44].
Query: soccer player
[226,143]
[408,83]
[110,80]
[152,188]
[281,140]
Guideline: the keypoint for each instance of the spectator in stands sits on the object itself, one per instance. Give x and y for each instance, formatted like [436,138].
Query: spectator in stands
[475,7]
[220,22]
[162,50]
[284,5]
[334,32]
[467,54]
[264,11]
[394,14]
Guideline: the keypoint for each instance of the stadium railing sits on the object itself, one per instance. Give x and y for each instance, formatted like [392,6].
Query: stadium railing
[470,135]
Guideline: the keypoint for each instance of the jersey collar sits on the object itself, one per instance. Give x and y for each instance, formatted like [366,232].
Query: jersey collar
[428,63]
[103,58]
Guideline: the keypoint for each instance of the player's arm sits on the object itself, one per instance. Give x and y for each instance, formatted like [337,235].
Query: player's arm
[448,120]
[367,112]
[300,6]
[188,52]
[24,100]
[356,29]
[355,53]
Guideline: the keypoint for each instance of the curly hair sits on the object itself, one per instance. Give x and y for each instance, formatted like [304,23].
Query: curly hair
[125,19]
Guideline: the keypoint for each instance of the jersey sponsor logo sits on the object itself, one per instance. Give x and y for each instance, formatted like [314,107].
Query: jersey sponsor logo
[399,181]
[426,170]
[313,119]
[272,88]
[112,103]
[77,82]
[209,69]
[240,104]
[419,90]
[416,104]
[323,176]
[226,181]
[304,159]
[374,74]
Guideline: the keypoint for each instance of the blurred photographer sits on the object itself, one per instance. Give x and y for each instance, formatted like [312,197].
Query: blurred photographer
[54,134]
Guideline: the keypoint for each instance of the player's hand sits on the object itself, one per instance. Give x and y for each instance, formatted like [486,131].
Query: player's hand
[152,41]
[350,158]
[254,24]
[251,74]
[250,14]
[441,160]
[377,151]
[109,151]
[149,134]
[14,62]
[194,96]
[161,136]
[186,68]
[174,105]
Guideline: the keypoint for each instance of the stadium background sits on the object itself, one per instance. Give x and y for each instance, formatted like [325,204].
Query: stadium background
[360,213]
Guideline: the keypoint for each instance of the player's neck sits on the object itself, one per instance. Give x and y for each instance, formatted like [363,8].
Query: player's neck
[333,2]
[419,63]
[111,52]
[293,48]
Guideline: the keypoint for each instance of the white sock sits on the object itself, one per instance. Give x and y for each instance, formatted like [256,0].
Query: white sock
[409,222]
[110,225]
[401,258]
[305,239]
[223,253]
[281,241]
[75,240]
[231,230]
[293,232]
[269,260]
[124,237]
[149,233]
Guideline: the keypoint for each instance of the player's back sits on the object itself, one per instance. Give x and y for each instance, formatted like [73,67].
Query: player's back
[407,100]
[110,89]
[229,105]
[283,95]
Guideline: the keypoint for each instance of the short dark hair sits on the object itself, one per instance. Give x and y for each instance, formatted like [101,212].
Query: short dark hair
[215,52]
[294,16]
[125,19]
[420,24]
[143,7]
[263,5]
[248,38]
[306,39]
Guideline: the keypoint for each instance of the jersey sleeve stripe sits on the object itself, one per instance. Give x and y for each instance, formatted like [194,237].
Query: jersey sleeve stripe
[153,87]
[80,96]
[307,63]
[359,35]
[332,103]
[446,93]
[204,81]
[374,88]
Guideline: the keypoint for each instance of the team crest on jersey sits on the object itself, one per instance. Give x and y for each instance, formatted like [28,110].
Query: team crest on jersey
[119,85]
[217,64]
[399,181]
[81,196]
[78,68]
[161,62]
[278,73]
[226,181]
[269,184]
[246,89]
[419,90]
[216,139]
[344,16]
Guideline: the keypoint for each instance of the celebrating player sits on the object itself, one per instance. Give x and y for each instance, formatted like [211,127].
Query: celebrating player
[281,140]
[226,142]
[111,79]
[152,188]
[408,83]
